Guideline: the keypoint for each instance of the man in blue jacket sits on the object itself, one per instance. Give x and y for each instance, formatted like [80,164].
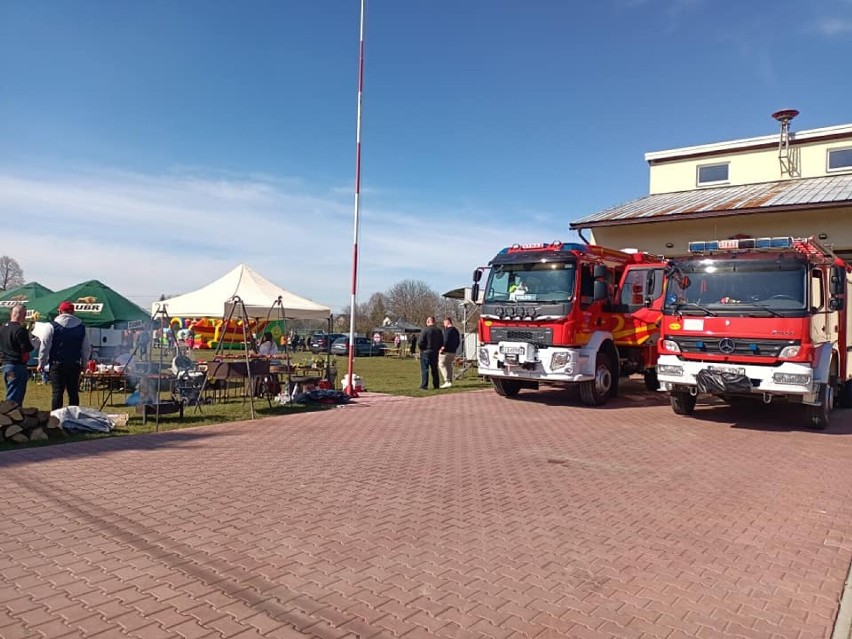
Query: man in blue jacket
[65,348]
[447,355]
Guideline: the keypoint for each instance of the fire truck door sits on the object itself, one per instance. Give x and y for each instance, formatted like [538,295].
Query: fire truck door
[820,319]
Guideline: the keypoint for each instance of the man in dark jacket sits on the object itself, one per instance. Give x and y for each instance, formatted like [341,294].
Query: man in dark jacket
[15,347]
[430,343]
[448,352]
[65,348]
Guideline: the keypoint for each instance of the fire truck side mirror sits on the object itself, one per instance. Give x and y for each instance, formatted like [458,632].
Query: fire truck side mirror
[600,291]
[474,290]
[600,272]
[838,280]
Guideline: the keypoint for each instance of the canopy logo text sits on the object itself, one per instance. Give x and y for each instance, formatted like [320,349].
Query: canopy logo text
[88,304]
[12,302]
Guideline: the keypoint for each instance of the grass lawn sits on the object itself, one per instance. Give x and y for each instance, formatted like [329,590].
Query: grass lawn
[381,374]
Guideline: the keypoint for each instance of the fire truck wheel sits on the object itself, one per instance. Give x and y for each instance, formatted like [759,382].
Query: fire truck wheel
[597,391]
[820,414]
[506,387]
[683,403]
[651,381]
[845,395]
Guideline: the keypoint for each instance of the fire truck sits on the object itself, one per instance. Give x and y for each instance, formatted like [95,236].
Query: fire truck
[573,315]
[761,318]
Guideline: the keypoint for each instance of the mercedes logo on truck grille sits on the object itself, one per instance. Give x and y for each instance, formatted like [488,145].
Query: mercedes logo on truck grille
[727,345]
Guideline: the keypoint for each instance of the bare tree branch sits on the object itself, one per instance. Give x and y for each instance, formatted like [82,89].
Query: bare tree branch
[11,273]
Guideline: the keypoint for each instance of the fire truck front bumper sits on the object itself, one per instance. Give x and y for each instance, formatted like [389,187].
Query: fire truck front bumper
[526,361]
[788,379]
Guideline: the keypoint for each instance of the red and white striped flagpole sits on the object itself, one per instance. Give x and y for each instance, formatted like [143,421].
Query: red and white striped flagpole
[350,388]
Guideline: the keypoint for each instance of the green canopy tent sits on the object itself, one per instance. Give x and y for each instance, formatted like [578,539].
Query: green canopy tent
[96,304]
[25,294]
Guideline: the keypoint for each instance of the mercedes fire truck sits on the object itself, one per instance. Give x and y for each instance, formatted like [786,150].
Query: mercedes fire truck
[763,318]
[572,315]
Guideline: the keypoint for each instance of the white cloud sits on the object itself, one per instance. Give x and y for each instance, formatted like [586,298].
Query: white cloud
[835,26]
[145,234]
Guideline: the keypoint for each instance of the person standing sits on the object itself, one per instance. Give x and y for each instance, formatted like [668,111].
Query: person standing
[430,343]
[142,343]
[448,352]
[15,349]
[267,345]
[64,348]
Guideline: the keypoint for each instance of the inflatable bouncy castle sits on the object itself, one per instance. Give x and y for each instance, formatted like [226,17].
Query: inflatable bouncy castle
[208,332]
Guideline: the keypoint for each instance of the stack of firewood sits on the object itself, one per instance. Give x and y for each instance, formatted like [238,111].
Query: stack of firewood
[24,425]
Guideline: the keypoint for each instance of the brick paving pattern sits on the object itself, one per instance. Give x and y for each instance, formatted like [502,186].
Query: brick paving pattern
[460,515]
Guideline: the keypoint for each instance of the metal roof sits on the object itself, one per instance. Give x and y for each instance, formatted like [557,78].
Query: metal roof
[767,197]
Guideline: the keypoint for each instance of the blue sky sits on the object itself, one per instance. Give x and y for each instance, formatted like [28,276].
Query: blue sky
[154,145]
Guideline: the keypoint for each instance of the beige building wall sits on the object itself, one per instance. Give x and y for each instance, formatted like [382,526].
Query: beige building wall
[653,237]
[806,160]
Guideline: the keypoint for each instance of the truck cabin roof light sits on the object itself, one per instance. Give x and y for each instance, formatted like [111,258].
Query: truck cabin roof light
[740,244]
[538,246]
[543,247]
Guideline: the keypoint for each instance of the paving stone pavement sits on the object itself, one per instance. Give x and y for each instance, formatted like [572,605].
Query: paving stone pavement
[458,515]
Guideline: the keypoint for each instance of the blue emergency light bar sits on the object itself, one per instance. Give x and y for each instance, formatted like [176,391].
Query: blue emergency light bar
[741,243]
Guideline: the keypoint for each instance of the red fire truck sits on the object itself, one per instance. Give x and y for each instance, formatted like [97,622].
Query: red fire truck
[575,315]
[758,317]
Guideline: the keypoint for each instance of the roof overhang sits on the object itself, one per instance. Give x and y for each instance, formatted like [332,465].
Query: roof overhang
[825,192]
[749,144]
[576,226]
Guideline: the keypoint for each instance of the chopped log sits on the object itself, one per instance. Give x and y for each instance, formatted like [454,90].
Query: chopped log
[8,406]
[43,416]
[20,438]
[15,415]
[53,422]
[12,430]
[5,420]
[38,435]
[55,433]
[29,422]
[29,412]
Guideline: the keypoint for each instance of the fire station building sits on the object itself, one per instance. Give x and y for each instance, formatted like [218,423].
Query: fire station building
[793,184]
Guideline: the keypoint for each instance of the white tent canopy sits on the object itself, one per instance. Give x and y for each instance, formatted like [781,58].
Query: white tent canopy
[257,293]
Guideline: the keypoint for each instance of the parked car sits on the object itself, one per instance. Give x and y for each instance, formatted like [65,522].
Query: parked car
[320,342]
[363,347]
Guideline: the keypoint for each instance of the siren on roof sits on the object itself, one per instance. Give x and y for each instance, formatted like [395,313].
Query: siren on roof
[784,117]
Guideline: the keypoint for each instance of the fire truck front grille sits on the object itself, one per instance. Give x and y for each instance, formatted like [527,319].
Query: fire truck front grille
[737,346]
[538,336]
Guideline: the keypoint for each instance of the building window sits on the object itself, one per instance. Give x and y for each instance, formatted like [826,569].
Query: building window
[712,174]
[839,159]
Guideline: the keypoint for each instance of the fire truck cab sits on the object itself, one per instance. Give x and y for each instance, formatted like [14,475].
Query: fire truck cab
[765,318]
[574,315]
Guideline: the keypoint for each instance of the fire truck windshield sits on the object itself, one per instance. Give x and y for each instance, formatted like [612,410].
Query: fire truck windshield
[737,286]
[536,282]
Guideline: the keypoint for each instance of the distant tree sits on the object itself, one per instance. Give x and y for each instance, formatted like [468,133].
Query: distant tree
[363,318]
[374,310]
[11,273]
[412,301]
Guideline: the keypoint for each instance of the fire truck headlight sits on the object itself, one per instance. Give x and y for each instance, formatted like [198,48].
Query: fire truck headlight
[484,358]
[789,351]
[792,378]
[666,369]
[559,360]
[670,345]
